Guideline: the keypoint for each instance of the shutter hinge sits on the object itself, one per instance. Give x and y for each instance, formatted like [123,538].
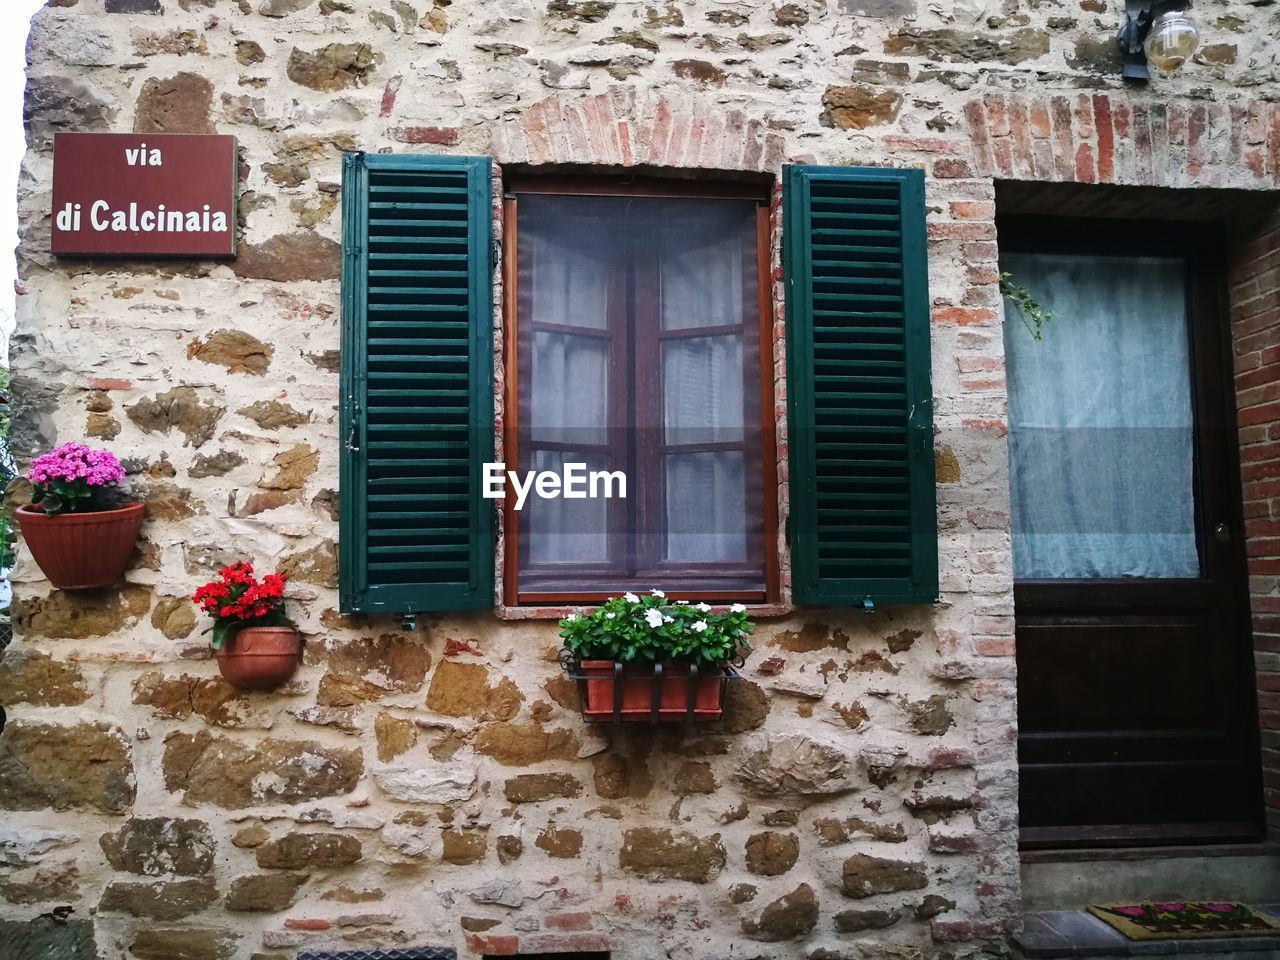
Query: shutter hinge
[354,250]
[410,623]
[353,432]
[868,605]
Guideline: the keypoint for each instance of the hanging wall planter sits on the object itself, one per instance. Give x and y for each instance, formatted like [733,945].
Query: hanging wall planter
[668,662]
[255,644]
[79,529]
[613,692]
[259,658]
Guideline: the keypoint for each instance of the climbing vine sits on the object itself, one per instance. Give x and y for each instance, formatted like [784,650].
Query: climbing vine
[1032,314]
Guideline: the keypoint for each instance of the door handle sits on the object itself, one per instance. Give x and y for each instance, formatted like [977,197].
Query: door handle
[1222,533]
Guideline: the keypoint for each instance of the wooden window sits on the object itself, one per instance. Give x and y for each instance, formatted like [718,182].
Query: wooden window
[638,340]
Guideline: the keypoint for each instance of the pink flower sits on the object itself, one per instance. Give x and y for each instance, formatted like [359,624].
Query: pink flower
[1219,907]
[1131,911]
[74,462]
[1171,907]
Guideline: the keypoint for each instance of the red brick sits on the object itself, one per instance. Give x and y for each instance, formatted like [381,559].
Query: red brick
[497,946]
[1197,127]
[307,923]
[985,647]
[951,168]
[568,921]
[997,427]
[1264,528]
[981,252]
[1038,114]
[1021,136]
[1106,140]
[1142,143]
[1063,147]
[923,144]
[1262,413]
[969,230]
[1266,547]
[959,316]
[1084,117]
[973,210]
[1084,164]
[1273,142]
[997,115]
[982,274]
[1002,150]
[989,383]
[978,132]
[104,383]
[441,136]
[566,943]
[950,843]
[389,97]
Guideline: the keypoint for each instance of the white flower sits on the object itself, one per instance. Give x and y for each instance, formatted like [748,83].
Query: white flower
[657,593]
[683,603]
[738,608]
[700,626]
[571,617]
[630,598]
[610,616]
[666,619]
[653,618]
[703,608]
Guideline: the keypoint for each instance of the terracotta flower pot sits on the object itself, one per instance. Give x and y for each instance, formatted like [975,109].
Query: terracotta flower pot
[637,685]
[259,658]
[79,551]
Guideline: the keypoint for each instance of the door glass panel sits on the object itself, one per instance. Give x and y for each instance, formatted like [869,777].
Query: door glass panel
[1100,419]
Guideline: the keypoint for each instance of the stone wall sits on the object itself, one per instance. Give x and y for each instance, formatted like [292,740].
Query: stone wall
[439,787]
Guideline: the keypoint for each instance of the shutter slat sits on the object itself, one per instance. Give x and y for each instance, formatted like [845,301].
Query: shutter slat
[863,510]
[417,379]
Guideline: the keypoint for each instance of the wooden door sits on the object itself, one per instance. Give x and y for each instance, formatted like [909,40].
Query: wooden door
[1136,710]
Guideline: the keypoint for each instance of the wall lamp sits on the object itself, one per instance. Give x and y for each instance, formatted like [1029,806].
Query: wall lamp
[1157,33]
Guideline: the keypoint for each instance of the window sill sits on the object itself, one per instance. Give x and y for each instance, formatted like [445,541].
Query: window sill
[757,611]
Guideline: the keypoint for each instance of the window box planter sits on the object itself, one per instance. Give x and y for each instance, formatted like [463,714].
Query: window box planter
[613,692]
[259,658]
[80,551]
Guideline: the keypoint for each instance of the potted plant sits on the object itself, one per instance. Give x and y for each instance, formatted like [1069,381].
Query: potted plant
[646,659]
[256,645]
[80,526]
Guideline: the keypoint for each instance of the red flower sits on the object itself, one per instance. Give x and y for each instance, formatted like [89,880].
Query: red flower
[238,596]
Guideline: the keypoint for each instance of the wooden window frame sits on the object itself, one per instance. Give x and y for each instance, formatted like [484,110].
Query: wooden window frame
[514,364]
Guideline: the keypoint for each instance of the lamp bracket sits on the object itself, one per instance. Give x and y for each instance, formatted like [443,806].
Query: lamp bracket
[1138,17]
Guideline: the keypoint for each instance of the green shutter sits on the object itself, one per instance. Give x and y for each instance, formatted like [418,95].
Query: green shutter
[860,427]
[417,384]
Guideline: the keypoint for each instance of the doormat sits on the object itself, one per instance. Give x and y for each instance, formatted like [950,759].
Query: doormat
[396,953]
[1186,920]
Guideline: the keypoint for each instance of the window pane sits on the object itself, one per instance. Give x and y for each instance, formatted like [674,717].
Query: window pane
[701,249]
[1100,422]
[706,507]
[566,531]
[569,247]
[702,395]
[569,389]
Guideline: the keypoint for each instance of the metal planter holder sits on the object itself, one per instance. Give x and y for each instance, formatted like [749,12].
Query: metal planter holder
[655,714]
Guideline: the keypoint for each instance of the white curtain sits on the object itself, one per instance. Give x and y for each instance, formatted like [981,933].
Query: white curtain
[1100,419]
[568,249]
[701,283]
